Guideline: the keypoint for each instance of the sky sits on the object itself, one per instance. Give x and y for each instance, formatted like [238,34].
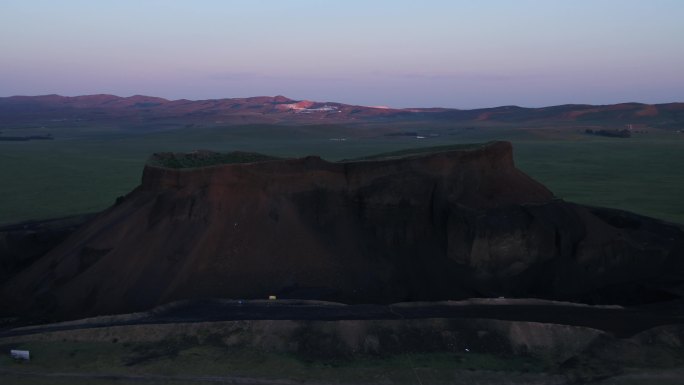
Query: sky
[398,53]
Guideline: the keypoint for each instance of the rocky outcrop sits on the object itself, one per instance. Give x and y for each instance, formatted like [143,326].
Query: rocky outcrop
[442,225]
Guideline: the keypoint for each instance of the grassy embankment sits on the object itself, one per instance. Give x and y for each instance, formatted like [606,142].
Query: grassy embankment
[186,358]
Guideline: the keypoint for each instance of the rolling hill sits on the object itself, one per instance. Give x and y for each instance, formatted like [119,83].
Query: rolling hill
[280,109]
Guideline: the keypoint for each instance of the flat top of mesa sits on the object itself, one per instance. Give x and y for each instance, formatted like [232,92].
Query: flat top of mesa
[206,158]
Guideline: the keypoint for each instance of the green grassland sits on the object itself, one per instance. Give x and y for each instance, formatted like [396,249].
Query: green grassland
[185,359]
[86,167]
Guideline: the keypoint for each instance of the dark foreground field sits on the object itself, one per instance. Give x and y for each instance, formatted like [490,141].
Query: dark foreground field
[487,341]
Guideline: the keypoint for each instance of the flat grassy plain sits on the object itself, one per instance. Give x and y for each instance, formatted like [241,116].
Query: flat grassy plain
[178,361]
[87,167]
[189,360]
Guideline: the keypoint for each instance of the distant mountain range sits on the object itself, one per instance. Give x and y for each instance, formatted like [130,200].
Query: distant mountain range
[280,109]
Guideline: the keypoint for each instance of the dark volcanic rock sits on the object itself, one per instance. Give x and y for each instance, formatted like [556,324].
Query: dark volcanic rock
[445,225]
[23,243]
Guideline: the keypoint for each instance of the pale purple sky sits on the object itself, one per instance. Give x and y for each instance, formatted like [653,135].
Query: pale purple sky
[462,54]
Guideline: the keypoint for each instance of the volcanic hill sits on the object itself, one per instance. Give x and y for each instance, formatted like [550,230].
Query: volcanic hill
[448,223]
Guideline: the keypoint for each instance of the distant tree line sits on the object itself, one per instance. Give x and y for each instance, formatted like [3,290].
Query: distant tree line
[610,133]
[24,138]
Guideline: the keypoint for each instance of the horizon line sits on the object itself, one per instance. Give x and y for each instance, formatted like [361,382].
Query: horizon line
[349,104]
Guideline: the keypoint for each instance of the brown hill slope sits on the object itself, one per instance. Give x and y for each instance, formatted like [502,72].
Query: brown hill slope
[444,225]
[279,109]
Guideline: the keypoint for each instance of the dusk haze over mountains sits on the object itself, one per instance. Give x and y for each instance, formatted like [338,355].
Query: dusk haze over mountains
[455,54]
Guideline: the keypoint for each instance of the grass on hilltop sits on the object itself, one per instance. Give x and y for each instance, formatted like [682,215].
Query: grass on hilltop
[178,160]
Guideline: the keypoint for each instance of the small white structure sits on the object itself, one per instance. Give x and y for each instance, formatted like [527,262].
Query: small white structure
[271,297]
[22,355]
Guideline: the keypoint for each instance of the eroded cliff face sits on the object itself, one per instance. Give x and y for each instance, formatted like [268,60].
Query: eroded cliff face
[446,225]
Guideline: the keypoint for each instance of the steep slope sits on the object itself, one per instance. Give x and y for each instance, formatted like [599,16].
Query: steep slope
[23,243]
[443,225]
